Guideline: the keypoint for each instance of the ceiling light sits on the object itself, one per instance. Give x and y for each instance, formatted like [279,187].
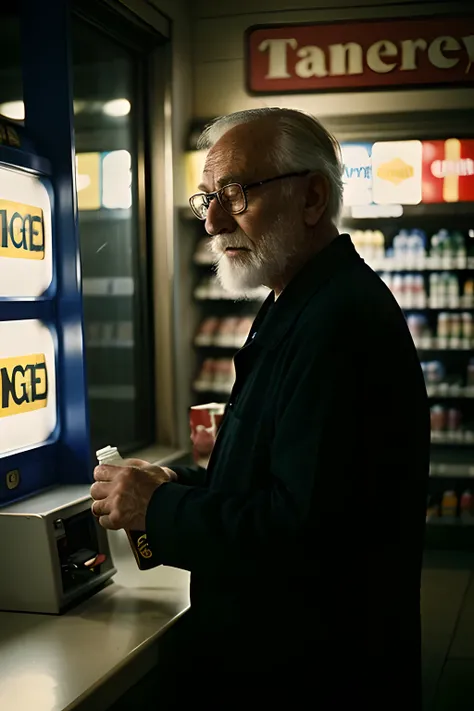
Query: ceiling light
[13,110]
[117,107]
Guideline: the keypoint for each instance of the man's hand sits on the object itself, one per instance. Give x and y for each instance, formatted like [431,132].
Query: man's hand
[122,493]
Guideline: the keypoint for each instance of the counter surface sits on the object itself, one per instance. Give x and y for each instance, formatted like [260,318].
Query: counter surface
[57,663]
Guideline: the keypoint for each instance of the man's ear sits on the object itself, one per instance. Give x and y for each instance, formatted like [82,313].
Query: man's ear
[317,198]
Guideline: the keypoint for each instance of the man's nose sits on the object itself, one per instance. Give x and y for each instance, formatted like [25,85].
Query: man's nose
[218,220]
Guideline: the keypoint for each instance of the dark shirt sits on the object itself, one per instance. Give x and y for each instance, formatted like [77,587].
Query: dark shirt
[307,530]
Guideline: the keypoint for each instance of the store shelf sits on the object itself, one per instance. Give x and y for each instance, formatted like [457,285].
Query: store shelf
[108,286]
[104,214]
[445,391]
[112,392]
[457,522]
[441,344]
[459,439]
[451,470]
[389,267]
[110,344]
[424,212]
[436,308]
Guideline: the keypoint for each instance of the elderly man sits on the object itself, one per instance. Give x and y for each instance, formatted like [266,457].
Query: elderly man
[304,537]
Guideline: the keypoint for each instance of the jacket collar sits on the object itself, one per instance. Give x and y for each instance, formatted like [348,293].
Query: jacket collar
[276,317]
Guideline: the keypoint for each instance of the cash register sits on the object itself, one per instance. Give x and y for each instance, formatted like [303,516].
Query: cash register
[53,552]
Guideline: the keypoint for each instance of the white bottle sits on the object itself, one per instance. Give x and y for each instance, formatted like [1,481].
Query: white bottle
[108,455]
[419,289]
[397,289]
[409,288]
[453,292]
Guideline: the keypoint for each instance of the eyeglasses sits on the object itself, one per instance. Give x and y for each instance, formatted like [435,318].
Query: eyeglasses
[233,197]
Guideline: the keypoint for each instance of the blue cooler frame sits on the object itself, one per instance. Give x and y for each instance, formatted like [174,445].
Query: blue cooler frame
[47,150]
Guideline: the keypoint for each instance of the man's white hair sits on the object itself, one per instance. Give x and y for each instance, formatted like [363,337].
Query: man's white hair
[301,143]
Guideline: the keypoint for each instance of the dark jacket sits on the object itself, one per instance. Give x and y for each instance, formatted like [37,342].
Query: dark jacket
[305,538]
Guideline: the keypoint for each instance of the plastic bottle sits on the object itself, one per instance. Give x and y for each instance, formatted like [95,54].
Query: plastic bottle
[421,249]
[438,418]
[408,291]
[435,255]
[467,507]
[453,291]
[398,288]
[449,506]
[138,539]
[444,325]
[470,250]
[379,247]
[454,420]
[446,252]
[419,292]
[460,252]
[470,374]
[467,327]
[434,290]
[468,296]
[400,246]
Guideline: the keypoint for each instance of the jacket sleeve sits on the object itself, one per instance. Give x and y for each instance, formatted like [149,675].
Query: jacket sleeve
[190,476]
[201,530]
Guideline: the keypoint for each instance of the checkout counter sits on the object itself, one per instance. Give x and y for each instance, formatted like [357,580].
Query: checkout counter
[88,657]
[90,649]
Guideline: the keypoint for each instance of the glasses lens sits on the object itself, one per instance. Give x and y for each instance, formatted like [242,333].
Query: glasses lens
[233,198]
[199,206]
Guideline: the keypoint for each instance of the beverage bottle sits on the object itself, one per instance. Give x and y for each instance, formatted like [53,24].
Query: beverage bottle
[470,374]
[467,507]
[470,250]
[449,506]
[444,326]
[467,327]
[468,294]
[408,291]
[453,291]
[460,252]
[137,539]
[434,290]
[379,242]
[419,292]
[445,249]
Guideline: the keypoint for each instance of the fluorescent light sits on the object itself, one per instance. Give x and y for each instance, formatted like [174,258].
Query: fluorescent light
[117,180]
[13,110]
[117,107]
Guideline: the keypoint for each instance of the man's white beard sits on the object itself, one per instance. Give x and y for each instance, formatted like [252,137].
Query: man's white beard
[263,266]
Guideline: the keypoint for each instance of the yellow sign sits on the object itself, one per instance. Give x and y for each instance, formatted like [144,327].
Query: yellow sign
[396,171]
[21,231]
[88,181]
[23,384]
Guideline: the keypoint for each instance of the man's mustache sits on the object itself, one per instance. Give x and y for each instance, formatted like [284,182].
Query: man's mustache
[220,243]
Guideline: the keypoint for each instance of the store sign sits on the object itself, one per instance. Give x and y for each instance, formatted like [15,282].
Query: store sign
[357,173]
[448,171]
[27,384]
[397,172]
[23,384]
[26,260]
[21,231]
[360,55]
